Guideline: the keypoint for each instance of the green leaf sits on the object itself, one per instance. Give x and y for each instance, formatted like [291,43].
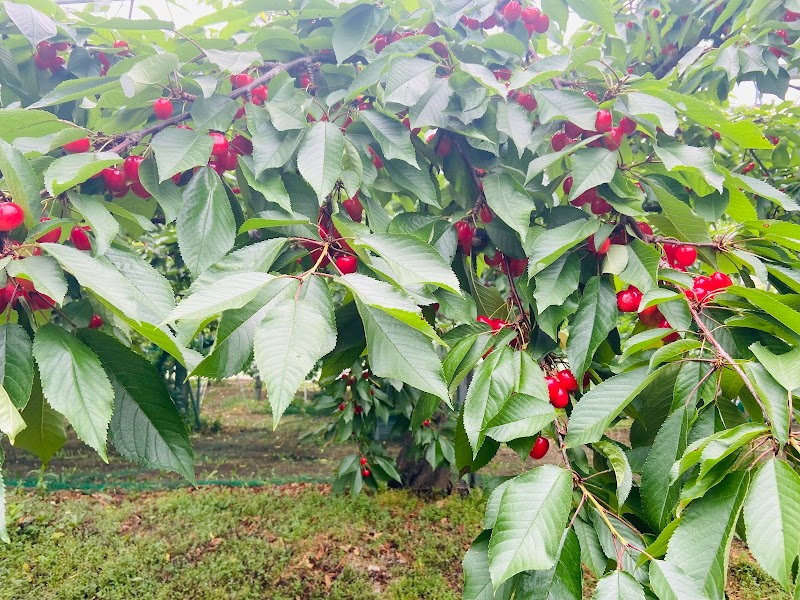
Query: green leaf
[513,120]
[699,161]
[771,304]
[509,201]
[659,497]
[393,137]
[320,157]
[75,384]
[166,193]
[557,282]
[485,77]
[408,79]
[650,107]
[27,122]
[290,340]
[677,219]
[641,269]
[11,422]
[596,317]
[271,148]
[402,352]
[429,110]
[772,519]
[671,583]
[562,582]
[777,400]
[34,25]
[765,190]
[44,272]
[177,150]
[21,181]
[592,167]
[597,408]
[153,70]
[411,260]
[530,523]
[521,416]
[785,368]
[233,61]
[699,547]
[595,11]
[104,226]
[417,182]
[233,341]
[213,113]
[552,243]
[16,363]
[477,579]
[151,290]
[355,28]
[76,89]
[46,431]
[622,468]
[618,585]
[233,291]
[146,426]
[569,105]
[206,227]
[68,171]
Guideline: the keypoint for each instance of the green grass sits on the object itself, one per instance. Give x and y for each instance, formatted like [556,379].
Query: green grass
[278,542]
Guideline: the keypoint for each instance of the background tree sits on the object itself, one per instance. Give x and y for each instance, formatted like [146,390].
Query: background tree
[441,188]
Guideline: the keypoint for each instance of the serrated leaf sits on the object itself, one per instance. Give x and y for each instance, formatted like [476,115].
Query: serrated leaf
[622,468]
[569,105]
[76,89]
[68,171]
[785,368]
[319,159]
[355,28]
[596,317]
[393,138]
[618,585]
[655,109]
[671,583]
[44,272]
[416,181]
[555,283]
[509,201]
[34,25]
[11,422]
[104,226]
[177,150]
[153,70]
[230,292]
[521,416]
[146,426]
[429,110]
[700,161]
[772,519]
[16,363]
[166,193]
[513,120]
[75,384]
[591,167]
[595,12]
[552,243]
[641,269]
[206,227]
[233,61]
[152,291]
[562,582]
[777,400]
[46,431]
[530,523]
[21,181]
[214,113]
[477,579]
[594,412]
[407,79]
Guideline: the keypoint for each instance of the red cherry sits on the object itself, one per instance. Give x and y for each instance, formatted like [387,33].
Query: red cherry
[630,70]
[685,255]
[485,214]
[51,236]
[380,42]
[440,49]
[561,399]
[121,44]
[613,139]
[645,227]
[365,473]
[305,79]
[259,94]
[629,24]
[540,448]
[567,380]
[162,108]
[650,316]
[530,15]
[669,250]
[485,320]
[139,190]
[131,167]
[603,121]
[553,385]
[363,461]
[241,145]
[600,207]
[96,322]
[176,179]
[512,11]
[628,301]
[542,24]
[431,29]
[602,249]
[354,208]
[656,13]
[627,125]
[498,324]
[465,233]
[11,216]
[567,185]
[489,22]
[241,80]
[114,179]
[78,146]
[572,130]
[717,135]
[229,160]
[748,167]
[358,409]
[342,406]
[526,101]
[494,261]
[426,423]
[79,238]
[559,141]
[469,23]
[591,94]
[719,281]
[516,267]
[220,147]
[347,264]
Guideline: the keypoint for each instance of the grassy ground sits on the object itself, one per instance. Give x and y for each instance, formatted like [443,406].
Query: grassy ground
[278,541]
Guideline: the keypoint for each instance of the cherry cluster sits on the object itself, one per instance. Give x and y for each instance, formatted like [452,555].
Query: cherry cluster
[344,257]
[705,287]
[509,13]
[603,124]
[559,387]
[46,56]
[258,95]
[105,61]
[495,324]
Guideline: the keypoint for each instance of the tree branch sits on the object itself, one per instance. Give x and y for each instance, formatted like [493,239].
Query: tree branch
[665,67]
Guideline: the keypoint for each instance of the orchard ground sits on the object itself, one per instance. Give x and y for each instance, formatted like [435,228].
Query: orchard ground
[115,531]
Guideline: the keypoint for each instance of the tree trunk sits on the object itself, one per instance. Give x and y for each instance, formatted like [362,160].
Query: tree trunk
[417,474]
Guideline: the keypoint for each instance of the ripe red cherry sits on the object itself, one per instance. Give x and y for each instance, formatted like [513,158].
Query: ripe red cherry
[600,207]
[553,385]
[629,24]
[494,261]
[516,267]
[426,423]
[656,13]
[484,319]
[567,380]
[627,125]
[645,227]
[347,264]
[512,11]
[365,473]
[51,237]
[241,80]
[650,316]
[603,121]
[748,167]
[613,139]
[114,179]
[542,24]
[357,409]
[530,15]
[470,23]
[591,94]
[342,406]
[464,232]
[241,145]
[540,448]
[131,167]
[380,42]
[603,247]
[139,190]
[96,322]
[354,208]
[719,281]
[561,398]
[685,255]
[628,301]
[567,185]
[78,146]
[485,214]
[559,141]
[220,143]
[11,216]
[526,101]
[431,29]
[162,108]
[363,461]
[79,238]
[444,147]
[489,22]
[229,160]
